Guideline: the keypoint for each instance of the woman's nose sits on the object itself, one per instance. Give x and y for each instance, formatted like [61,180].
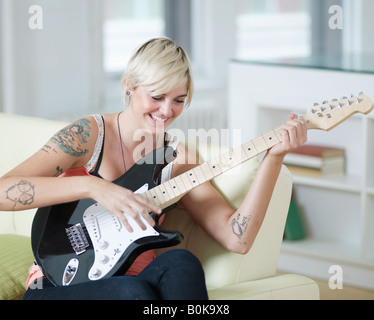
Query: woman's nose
[166,109]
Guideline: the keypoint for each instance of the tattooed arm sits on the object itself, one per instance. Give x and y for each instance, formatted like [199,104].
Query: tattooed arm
[33,183]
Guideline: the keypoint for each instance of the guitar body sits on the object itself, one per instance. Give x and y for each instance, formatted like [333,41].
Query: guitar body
[81,241]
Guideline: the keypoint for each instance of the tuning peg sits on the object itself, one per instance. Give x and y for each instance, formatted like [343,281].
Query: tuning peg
[352,95]
[340,105]
[344,98]
[325,102]
[348,103]
[334,100]
[331,107]
[358,100]
[361,94]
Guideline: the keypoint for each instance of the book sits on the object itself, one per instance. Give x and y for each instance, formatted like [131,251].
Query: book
[313,172]
[316,160]
[294,229]
[319,151]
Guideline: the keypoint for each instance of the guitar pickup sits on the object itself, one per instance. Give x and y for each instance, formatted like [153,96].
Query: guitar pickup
[77,238]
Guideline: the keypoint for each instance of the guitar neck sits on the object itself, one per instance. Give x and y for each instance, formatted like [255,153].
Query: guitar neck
[323,117]
[171,191]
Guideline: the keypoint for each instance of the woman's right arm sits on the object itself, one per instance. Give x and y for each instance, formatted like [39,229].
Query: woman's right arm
[35,183]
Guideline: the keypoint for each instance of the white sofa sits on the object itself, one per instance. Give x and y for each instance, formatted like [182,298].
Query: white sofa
[228,275]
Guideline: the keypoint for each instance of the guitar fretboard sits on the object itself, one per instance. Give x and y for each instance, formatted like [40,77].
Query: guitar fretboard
[171,191]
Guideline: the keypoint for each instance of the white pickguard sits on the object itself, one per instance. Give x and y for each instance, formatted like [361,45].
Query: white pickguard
[110,238]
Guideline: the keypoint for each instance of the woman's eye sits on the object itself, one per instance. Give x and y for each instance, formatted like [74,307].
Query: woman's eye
[157,98]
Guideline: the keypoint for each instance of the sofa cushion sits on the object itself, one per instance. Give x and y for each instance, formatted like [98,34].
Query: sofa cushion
[15,260]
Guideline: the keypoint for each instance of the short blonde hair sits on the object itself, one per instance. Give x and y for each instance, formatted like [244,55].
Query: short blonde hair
[161,64]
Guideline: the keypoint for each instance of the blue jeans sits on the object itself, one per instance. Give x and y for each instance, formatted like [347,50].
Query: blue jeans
[174,275]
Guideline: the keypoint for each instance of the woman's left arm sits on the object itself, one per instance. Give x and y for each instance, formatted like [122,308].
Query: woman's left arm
[237,230]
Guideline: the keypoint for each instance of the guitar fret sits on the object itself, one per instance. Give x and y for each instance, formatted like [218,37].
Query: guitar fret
[200,174]
[164,192]
[193,178]
[231,159]
[271,139]
[214,167]
[172,187]
[260,144]
[208,173]
[276,135]
[240,154]
[265,140]
[169,190]
[243,150]
[146,195]
[186,181]
[156,200]
[250,149]
[223,165]
[180,184]
[159,193]
[277,132]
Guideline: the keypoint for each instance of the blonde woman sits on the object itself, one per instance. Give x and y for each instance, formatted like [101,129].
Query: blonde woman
[83,159]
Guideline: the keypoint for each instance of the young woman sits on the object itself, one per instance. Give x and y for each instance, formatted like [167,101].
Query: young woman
[82,160]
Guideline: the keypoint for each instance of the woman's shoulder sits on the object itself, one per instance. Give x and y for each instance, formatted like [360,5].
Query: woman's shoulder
[78,139]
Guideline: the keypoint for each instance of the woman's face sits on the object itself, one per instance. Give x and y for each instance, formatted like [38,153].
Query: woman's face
[157,112]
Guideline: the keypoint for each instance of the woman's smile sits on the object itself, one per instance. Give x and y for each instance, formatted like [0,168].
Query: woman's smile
[158,120]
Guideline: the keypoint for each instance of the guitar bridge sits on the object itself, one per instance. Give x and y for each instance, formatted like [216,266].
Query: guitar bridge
[77,238]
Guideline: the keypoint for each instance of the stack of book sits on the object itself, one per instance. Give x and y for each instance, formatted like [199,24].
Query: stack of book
[316,161]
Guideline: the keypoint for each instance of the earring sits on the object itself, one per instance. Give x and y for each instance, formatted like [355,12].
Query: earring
[128,93]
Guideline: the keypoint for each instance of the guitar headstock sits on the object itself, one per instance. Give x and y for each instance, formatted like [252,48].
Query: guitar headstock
[328,115]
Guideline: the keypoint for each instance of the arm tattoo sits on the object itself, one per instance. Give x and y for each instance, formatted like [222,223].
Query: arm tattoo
[71,139]
[59,171]
[239,225]
[46,148]
[21,193]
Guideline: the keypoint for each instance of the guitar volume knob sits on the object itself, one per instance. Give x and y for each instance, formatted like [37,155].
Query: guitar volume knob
[103,245]
[104,259]
[96,273]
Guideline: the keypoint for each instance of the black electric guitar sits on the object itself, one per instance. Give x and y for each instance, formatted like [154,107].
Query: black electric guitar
[82,241]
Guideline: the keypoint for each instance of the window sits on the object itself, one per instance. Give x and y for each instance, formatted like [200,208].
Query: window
[128,24]
[268,29]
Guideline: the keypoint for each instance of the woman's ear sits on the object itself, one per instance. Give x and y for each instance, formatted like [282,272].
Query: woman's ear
[127,87]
